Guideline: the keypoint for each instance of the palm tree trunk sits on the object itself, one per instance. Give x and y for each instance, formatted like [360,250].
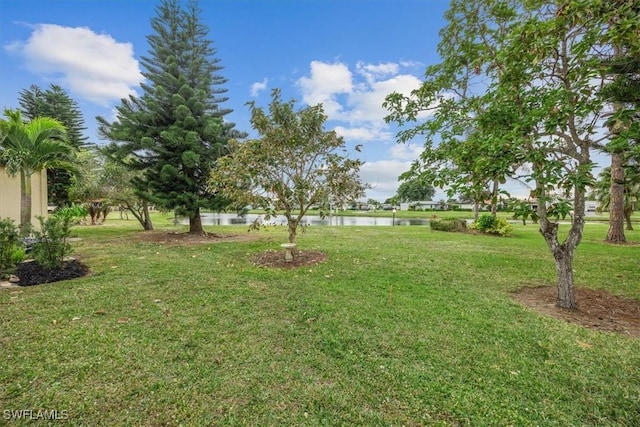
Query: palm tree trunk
[25,203]
[628,211]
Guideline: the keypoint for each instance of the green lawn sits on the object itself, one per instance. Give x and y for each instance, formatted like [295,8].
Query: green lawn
[400,326]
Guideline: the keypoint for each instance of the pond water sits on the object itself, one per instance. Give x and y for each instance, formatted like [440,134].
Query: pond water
[234,219]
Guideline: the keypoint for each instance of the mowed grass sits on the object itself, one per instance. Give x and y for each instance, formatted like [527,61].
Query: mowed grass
[400,326]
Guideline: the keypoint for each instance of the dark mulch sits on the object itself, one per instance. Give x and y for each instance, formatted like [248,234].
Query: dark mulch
[32,273]
[597,309]
[300,259]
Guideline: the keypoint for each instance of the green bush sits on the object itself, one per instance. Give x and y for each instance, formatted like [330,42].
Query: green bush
[455,225]
[52,244]
[490,224]
[75,213]
[9,246]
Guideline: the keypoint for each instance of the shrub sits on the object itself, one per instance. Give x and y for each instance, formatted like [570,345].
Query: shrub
[52,244]
[455,225]
[490,224]
[75,213]
[9,246]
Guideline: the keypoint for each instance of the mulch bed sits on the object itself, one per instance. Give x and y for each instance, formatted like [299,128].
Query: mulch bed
[598,310]
[32,273]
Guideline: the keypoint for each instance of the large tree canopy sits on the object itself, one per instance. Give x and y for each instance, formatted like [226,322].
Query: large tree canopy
[414,190]
[175,131]
[520,80]
[293,165]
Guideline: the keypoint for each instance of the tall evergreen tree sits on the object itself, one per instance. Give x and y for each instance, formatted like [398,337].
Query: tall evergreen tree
[175,131]
[624,124]
[54,102]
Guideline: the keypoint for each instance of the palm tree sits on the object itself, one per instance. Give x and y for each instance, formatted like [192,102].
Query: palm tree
[27,148]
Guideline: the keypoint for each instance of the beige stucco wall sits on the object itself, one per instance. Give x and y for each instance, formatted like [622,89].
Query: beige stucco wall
[10,196]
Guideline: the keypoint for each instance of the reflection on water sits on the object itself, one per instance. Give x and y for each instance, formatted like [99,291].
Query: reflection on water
[233,219]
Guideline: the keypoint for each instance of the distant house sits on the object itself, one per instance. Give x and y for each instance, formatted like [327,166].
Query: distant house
[10,196]
[423,206]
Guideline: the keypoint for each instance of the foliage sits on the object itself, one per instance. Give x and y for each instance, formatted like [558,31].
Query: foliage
[373,202]
[9,246]
[559,209]
[52,245]
[415,189]
[523,209]
[295,164]
[27,148]
[456,225]
[496,106]
[174,132]
[86,186]
[54,102]
[490,224]
[73,213]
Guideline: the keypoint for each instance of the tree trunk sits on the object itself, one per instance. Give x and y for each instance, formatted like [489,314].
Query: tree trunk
[141,214]
[628,211]
[564,270]
[494,197]
[293,228]
[146,224]
[616,204]
[25,203]
[476,210]
[195,223]
[563,252]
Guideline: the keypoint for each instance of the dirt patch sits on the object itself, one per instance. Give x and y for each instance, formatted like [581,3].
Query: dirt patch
[181,238]
[598,310]
[300,259]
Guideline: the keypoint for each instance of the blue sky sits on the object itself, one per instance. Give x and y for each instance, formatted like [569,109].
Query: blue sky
[346,54]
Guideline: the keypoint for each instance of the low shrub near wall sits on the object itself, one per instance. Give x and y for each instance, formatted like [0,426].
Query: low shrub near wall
[454,225]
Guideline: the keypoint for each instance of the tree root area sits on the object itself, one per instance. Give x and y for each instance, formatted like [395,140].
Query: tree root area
[300,259]
[32,273]
[597,310]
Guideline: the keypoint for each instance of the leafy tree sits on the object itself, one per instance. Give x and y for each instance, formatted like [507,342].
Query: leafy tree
[103,178]
[175,131]
[54,102]
[415,189]
[394,201]
[373,202]
[27,148]
[524,76]
[293,165]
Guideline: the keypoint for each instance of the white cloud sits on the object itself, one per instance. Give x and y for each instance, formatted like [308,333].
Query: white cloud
[383,175]
[93,66]
[325,83]
[356,98]
[373,72]
[406,151]
[258,87]
[363,133]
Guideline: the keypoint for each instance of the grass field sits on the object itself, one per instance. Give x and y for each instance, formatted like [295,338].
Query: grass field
[400,326]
